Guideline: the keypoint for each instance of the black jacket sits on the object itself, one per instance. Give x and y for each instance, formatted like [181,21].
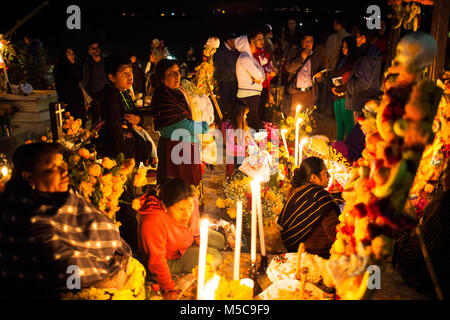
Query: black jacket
[364,80]
[225,63]
[68,89]
[94,76]
[116,134]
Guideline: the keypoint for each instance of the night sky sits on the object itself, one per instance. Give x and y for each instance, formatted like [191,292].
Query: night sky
[129,26]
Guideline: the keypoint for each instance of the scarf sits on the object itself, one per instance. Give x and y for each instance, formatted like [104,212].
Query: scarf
[170,107]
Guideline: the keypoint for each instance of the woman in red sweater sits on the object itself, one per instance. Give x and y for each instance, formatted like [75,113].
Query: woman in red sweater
[169,234]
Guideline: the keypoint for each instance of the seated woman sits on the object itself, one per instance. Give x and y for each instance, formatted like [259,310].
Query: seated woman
[311,214]
[435,229]
[169,233]
[51,238]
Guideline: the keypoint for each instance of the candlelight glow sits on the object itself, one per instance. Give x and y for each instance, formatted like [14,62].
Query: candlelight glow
[4,171]
[247,282]
[209,291]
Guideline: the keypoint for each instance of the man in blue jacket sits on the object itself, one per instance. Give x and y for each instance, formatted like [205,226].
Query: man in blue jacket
[364,80]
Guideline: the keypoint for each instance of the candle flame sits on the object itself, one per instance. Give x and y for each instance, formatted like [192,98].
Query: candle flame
[247,282]
[4,171]
[204,223]
[209,291]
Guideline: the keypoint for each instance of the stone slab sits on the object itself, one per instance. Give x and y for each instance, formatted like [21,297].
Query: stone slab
[36,102]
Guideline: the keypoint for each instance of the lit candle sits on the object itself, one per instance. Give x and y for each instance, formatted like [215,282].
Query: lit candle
[253,184]
[283,132]
[297,132]
[202,258]
[297,110]
[260,218]
[302,144]
[237,247]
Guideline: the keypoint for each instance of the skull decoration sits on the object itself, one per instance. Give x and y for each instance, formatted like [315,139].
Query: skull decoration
[415,51]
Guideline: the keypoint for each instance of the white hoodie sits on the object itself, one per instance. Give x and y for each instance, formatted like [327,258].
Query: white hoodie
[246,68]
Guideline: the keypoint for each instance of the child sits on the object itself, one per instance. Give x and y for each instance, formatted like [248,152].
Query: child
[121,130]
[234,133]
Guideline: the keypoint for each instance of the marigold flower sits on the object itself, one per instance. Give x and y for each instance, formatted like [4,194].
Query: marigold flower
[28,141]
[290,120]
[95,170]
[85,189]
[136,204]
[108,163]
[429,188]
[220,203]
[140,178]
[84,153]
[44,138]
[308,129]
[232,212]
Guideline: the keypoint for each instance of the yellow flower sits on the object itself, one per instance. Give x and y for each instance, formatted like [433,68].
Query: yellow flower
[220,203]
[290,120]
[308,129]
[84,153]
[140,178]
[127,166]
[108,163]
[232,212]
[429,188]
[95,170]
[85,189]
[136,205]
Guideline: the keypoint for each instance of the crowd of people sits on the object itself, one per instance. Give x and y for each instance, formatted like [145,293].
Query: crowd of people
[339,75]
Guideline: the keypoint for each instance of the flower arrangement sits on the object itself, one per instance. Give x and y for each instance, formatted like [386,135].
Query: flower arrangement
[380,181]
[237,188]
[101,181]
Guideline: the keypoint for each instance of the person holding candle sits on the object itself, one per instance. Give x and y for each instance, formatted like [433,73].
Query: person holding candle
[169,233]
[310,214]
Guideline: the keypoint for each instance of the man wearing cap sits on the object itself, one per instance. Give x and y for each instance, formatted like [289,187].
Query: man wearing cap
[225,63]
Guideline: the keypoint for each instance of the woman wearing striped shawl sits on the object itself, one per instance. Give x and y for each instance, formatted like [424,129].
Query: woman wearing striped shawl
[178,150]
[51,238]
[310,214]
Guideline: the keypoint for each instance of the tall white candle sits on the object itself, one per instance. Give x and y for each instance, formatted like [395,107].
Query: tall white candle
[237,247]
[260,218]
[283,132]
[297,132]
[202,258]
[302,144]
[253,223]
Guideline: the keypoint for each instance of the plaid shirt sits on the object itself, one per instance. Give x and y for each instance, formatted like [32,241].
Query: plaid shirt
[41,235]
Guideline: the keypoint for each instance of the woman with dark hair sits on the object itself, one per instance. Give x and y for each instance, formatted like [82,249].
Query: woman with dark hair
[67,82]
[344,117]
[48,232]
[178,150]
[169,233]
[310,214]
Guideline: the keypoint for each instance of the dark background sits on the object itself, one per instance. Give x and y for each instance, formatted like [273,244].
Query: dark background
[129,26]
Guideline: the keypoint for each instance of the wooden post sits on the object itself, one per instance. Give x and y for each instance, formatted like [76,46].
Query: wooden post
[56,116]
[439,31]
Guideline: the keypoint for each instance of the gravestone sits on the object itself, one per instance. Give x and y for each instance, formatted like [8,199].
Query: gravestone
[33,111]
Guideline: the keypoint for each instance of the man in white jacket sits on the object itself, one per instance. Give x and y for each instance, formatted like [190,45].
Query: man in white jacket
[250,74]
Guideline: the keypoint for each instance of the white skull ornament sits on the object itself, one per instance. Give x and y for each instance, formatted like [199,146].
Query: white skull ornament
[415,51]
